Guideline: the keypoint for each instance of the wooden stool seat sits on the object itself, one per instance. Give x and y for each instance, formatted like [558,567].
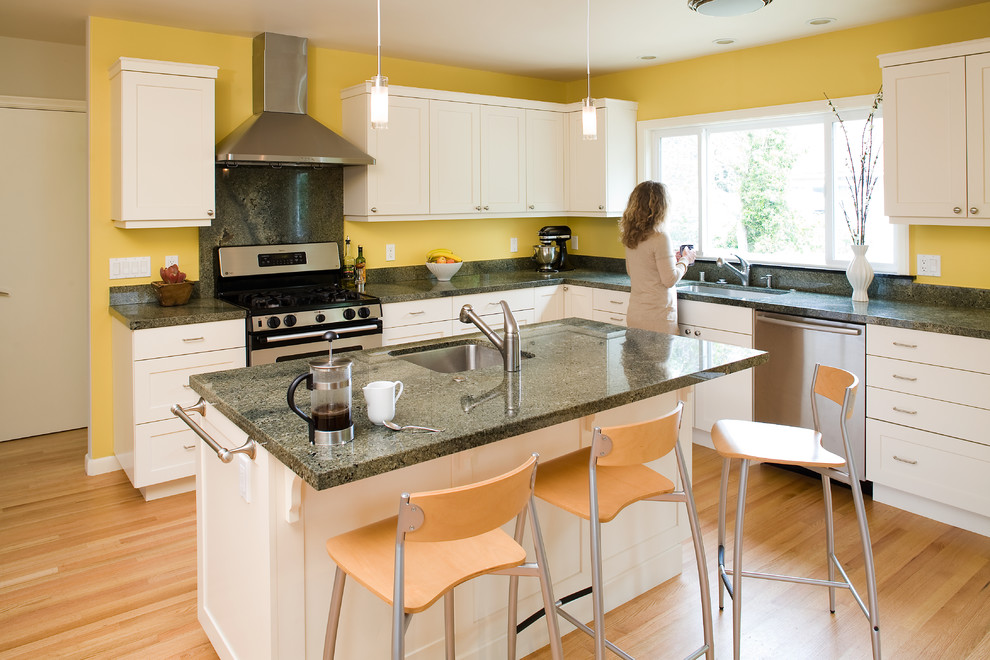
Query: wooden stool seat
[563,482]
[772,443]
[432,568]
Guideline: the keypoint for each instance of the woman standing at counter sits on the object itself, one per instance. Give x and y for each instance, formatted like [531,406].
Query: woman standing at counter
[652,266]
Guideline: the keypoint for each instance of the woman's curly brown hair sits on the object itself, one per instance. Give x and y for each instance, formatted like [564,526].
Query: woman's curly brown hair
[647,208]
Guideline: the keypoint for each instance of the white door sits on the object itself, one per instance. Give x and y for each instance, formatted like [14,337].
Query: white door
[44,276]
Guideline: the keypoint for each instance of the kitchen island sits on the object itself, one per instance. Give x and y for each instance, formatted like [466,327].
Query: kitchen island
[264,576]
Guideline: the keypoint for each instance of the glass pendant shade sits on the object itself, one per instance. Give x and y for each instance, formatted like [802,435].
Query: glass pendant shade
[379,102]
[589,120]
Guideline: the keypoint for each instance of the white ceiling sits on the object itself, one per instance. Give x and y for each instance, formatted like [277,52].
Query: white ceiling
[540,38]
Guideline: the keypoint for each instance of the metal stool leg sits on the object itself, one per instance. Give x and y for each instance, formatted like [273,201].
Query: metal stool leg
[598,598]
[723,493]
[336,598]
[699,556]
[871,576]
[737,547]
[829,540]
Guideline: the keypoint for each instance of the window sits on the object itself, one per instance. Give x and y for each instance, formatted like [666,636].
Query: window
[770,184]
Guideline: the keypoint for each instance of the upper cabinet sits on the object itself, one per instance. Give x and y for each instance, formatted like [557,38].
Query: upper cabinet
[162,142]
[602,172]
[470,155]
[937,134]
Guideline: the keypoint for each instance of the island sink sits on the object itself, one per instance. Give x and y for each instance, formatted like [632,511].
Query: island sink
[452,359]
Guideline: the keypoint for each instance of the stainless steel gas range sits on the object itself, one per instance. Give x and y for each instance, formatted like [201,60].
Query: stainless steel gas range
[293,295]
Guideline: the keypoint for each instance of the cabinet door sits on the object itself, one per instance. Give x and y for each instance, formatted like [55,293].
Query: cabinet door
[549,302]
[978,130]
[164,160]
[925,139]
[546,148]
[503,159]
[399,181]
[726,397]
[586,167]
[577,302]
[455,157]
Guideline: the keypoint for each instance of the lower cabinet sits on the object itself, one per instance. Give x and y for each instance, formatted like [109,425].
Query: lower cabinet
[729,397]
[928,408]
[578,301]
[151,370]
[416,320]
[609,306]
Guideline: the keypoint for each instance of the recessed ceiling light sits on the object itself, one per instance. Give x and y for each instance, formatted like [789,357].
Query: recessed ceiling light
[821,21]
[724,41]
[647,57]
[726,7]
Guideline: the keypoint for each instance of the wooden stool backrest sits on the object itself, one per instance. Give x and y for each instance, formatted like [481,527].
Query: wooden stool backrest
[465,511]
[834,384]
[642,442]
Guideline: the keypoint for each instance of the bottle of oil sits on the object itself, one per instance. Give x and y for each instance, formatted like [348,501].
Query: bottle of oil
[360,269]
[348,276]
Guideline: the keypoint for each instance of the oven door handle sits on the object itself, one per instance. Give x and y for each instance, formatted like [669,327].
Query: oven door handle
[318,333]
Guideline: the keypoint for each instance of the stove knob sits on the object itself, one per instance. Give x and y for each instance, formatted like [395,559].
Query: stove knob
[289,320]
[320,318]
[364,312]
[273,322]
[349,313]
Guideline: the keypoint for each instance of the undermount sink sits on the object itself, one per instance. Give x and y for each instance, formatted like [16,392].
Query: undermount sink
[452,359]
[728,290]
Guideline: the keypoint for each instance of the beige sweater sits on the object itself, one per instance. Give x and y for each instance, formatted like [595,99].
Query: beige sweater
[653,273]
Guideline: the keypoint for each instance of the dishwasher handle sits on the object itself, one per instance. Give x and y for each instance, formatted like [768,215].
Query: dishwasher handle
[809,324]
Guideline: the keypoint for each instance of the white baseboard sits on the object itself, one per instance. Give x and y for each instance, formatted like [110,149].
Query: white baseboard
[95,466]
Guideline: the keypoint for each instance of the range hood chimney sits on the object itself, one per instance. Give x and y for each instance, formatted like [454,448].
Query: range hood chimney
[280,132]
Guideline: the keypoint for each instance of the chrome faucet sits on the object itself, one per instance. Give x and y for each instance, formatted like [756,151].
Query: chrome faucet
[742,271]
[509,347]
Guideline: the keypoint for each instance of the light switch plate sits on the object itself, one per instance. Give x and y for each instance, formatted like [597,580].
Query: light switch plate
[930,264]
[128,267]
[390,252]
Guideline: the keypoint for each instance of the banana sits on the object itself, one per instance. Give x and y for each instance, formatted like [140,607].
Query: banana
[438,252]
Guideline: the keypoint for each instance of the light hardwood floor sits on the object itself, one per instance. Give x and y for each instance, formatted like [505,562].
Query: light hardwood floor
[88,569]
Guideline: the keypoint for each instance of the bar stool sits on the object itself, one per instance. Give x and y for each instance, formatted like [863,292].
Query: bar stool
[788,445]
[597,482]
[439,540]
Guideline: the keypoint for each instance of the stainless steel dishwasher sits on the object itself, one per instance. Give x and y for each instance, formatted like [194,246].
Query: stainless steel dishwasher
[783,385]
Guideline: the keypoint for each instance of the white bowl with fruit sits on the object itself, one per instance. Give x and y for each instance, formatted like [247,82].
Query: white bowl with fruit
[443,263]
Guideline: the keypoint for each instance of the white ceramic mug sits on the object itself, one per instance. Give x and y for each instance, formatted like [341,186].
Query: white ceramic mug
[381,396]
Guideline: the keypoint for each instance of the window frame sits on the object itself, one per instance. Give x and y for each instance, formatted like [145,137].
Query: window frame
[851,107]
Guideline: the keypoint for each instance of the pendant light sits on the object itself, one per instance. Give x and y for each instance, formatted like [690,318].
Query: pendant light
[589,117]
[379,85]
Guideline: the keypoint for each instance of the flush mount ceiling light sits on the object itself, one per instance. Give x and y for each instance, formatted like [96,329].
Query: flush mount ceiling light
[726,7]
[724,41]
[824,20]
[589,116]
[379,85]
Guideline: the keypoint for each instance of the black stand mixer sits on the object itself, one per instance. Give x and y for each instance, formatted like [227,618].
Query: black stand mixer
[556,235]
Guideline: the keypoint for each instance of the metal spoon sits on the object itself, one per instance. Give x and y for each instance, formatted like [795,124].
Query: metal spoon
[422,429]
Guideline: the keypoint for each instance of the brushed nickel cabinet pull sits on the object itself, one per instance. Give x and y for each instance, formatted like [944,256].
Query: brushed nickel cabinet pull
[907,378]
[905,460]
[957,210]
[906,412]
[903,345]
[190,340]
[973,210]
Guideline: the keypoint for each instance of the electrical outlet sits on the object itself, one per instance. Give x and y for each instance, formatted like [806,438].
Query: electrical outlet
[172,260]
[390,252]
[513,244]
[930,264]
[574,242]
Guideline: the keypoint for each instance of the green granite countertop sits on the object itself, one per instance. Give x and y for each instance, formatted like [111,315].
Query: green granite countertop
[144,315]
[924,315]
[576,368]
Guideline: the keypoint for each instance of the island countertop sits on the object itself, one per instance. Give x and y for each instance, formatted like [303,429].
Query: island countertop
[571,369]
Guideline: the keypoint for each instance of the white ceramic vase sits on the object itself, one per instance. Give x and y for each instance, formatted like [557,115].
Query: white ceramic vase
[859,273]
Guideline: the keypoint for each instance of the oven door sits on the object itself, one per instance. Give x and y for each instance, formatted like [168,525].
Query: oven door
[282,346]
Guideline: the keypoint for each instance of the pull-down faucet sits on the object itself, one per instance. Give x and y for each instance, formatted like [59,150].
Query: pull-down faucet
[509,347]
[742,271]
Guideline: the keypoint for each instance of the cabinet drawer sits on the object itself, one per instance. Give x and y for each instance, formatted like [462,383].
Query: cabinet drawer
[968,353]
[720,336]
[190,338]
[926,414]
[933,466]
[494,321]
[606,300]
[711,315]
[416,332]
[160,383]
[416,311]
[954,385]
[618,318]
[488,303]
[163,451]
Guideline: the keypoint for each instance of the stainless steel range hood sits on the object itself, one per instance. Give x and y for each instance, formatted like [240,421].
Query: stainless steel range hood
[280,132]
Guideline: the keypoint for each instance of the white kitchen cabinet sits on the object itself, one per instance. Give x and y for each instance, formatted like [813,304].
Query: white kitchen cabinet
[928,408]
[416,320]
[609,306]
[937,135]
[548,303]
[162,144]
[729,397]
[578,302]
[602,172]
[546,153]
[151,370]
[503,159]
[399,182]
